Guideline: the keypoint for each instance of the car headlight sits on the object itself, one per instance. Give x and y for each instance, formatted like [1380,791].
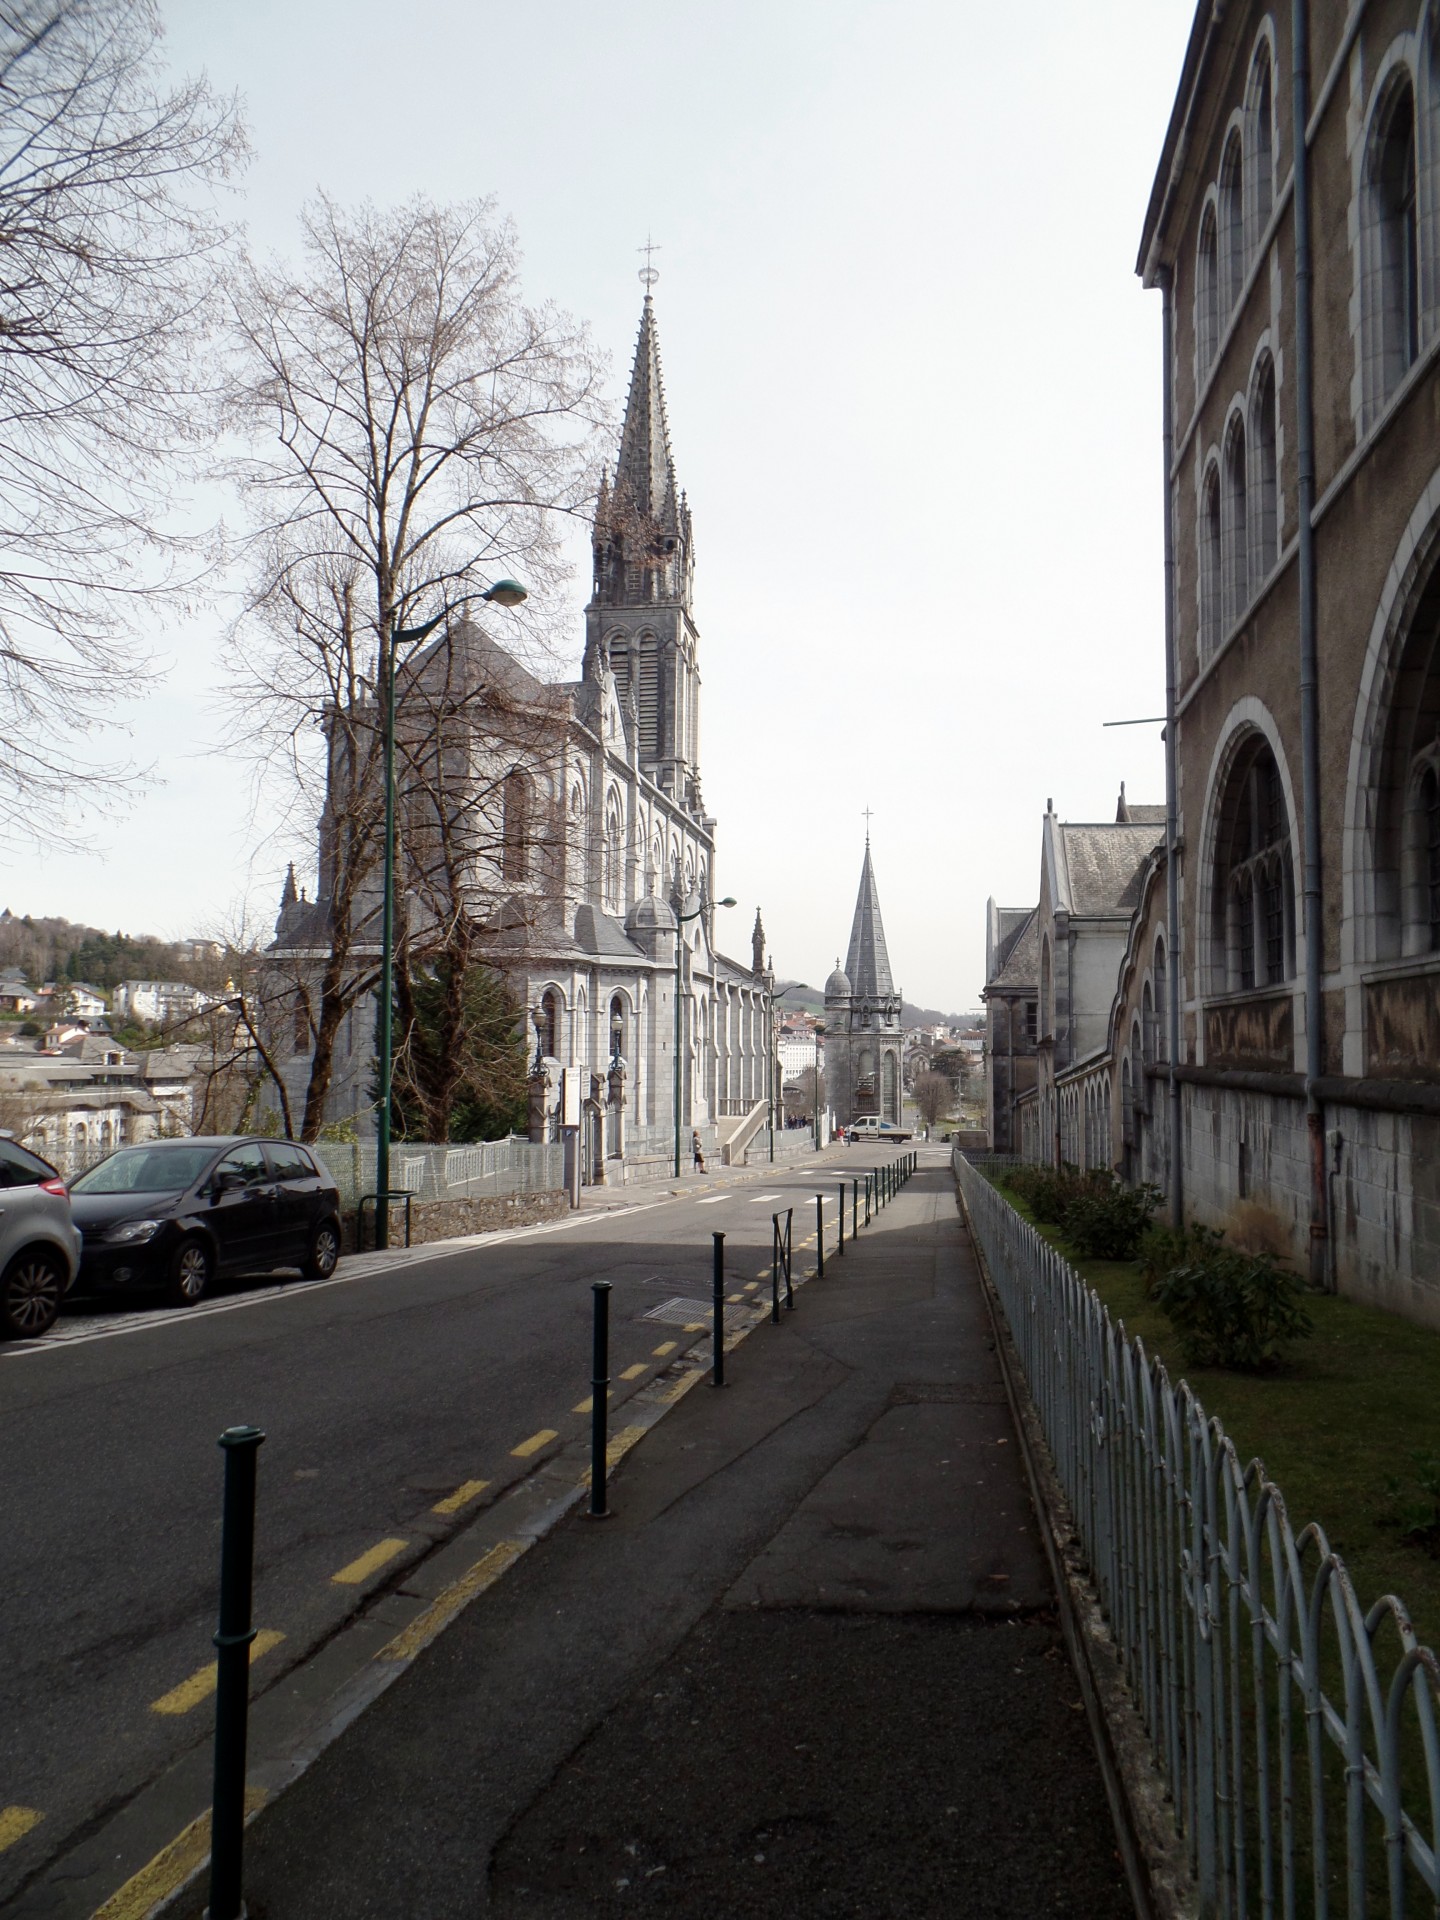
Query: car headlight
[132,1233]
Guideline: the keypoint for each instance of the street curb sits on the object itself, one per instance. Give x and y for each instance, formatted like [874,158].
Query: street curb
[268,1781]
[1152,1852]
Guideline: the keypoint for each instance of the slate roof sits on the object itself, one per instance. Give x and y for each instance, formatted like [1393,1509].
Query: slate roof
[1104,864]
[1021,964]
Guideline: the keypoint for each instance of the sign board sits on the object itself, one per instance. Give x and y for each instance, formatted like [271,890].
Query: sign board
[570,1096]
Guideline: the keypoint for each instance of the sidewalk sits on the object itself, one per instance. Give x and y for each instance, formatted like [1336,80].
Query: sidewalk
[809,1669]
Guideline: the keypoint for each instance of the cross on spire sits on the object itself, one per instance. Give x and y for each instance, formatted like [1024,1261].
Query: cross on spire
[649,273]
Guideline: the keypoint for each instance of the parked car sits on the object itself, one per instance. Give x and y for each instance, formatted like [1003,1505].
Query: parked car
[872,1129]
[176,1213]
[39,1247]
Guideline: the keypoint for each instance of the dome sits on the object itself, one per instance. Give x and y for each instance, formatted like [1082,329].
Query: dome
[837,987]
[650,915]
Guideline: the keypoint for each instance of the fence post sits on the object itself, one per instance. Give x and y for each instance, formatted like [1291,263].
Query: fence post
[775,1268]
[717,1297]
[842,1216]
[819,1236]
[867,1200]
[855,1209]
[599,1398]
[789,1245]
[232,1671]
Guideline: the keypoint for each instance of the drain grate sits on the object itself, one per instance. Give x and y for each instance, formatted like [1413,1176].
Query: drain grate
[679,1312]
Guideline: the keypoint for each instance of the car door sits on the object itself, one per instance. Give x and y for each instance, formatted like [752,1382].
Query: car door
[243,1210]
[297,1202]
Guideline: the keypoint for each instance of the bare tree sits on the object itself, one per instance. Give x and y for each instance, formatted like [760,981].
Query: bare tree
[416,431]
[933,1095]
[109,249]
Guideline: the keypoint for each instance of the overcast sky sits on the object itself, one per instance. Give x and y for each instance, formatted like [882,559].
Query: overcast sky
[913,392]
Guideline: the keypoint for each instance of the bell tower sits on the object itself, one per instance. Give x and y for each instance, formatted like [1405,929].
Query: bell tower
[864,1031]
[640,613]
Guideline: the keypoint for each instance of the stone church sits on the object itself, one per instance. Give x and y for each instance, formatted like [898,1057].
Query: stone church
[595,891]
[864,1032]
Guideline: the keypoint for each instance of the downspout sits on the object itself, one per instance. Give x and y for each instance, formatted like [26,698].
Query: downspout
[1309,650]
[1172,675]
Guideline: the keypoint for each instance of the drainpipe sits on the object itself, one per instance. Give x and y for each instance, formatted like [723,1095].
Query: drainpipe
[1172,859]
[1309,651]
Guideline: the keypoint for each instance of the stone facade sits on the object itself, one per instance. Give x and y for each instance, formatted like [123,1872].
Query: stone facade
[1012,1018]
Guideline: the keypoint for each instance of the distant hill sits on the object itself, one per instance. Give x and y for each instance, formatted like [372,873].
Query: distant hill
[798,994]
[49,948]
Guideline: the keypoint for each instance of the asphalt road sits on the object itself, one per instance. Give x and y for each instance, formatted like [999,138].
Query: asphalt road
[383,1395]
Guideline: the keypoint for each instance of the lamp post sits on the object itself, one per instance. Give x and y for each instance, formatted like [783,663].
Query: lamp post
[819,1035]
[772,1064]
[504,593]
[680,920]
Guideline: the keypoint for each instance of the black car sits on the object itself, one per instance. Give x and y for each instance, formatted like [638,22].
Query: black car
[175,1213]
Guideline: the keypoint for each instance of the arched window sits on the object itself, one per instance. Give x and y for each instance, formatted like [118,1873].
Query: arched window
[1147,1025]
[1161,977]
[1207,294]
[1235,531]
[1262,488]
[1047,1006]
[614,874]
[648,699]
[1209,533]
[1391,300]
[892,1085]
[515,834]
[550,1023]
[1254,889]
[1261,131]
[1232,222]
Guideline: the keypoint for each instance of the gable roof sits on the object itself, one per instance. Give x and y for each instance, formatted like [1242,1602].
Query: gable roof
[1102,864]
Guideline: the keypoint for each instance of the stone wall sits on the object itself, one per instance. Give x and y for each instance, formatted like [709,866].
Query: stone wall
[451,1219]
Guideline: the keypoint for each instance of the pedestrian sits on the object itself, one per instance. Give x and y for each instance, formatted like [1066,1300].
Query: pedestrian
[697,1153]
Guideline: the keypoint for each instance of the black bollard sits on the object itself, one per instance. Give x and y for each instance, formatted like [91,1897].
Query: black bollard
[842,1216]
[717,1371]
[775,1269]
[854,1209]
[819,1236]
[599,1398]
[867,1200]
[232,1672]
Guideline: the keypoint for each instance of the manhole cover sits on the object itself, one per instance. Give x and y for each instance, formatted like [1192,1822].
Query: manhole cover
[679,1312]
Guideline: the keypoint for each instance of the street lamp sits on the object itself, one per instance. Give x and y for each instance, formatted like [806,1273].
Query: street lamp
[680,920]
[504,593]
[819,1035]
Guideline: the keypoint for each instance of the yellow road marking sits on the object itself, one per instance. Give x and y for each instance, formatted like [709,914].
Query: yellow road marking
[442,1610]
[201,1685]
[617,1449]
[733,1298]
[751,1285]
[634,1373]
[467,1491]
[15,1823]
[174,1864]
[362,1568]
[666,1346]
[589,1401]
[696,1326]
[534,1443]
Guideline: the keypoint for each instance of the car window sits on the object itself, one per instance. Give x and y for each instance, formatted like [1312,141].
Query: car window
[289,1162]
[20,1168]
[145,1170]
[249,1160]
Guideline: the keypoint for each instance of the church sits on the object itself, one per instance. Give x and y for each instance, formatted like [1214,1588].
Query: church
[594,885]
[864,1031]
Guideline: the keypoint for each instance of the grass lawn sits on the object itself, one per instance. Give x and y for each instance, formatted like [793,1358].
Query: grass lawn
[1352,1405]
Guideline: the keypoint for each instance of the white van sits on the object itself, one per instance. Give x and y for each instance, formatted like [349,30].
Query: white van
[873,1129]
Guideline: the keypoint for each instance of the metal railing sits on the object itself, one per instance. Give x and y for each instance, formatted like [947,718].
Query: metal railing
[448,1173]
[1296,1730]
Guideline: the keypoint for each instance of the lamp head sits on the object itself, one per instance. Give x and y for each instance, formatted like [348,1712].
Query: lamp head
[506,593]
[727,902]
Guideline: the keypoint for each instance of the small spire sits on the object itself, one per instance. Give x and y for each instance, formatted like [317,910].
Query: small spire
[289,896]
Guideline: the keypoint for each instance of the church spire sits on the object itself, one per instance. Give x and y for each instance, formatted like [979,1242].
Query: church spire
[645,471]
[868,962]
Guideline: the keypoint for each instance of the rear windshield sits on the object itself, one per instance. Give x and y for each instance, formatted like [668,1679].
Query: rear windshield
[146,1170]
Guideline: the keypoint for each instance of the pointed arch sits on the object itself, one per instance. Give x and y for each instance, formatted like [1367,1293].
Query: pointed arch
[1263,472]
[517,830]
[1208,559]
[1207,291]
[1235,523]
[1233,255]
[1389,252]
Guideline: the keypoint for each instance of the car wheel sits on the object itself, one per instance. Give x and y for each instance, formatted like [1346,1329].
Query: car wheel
[323,1255]
[190,1269]
[31,1290]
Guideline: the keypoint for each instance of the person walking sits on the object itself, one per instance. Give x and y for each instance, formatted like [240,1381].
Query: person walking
[697,1153]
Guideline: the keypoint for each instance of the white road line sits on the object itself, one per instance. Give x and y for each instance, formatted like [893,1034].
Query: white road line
[760,1198]
[713,1201]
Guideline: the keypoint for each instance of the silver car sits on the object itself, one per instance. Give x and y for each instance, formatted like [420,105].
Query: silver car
[39,1242]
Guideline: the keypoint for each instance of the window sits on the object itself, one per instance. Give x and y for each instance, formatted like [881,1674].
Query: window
[1399,787]
[1235,532]
[1162,1003]
[1262,487]
[289,1162]
[614,856]
[1232,222]
[1047,1008]
[1391,303]
[1209,563]
[1254,883]
[1147,1027]
[1207,297]
[649,701]
[248,1161]
[1430,828]
[1030,1021]
[1261,130]
[549,1025]
[515,833]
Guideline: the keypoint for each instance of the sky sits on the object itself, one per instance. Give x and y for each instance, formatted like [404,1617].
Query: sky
[913,391]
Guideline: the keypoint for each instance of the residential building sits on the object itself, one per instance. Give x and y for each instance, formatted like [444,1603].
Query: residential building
[84,1002]
[159,1003]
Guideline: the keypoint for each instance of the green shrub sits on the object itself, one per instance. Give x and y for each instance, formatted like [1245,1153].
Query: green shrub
[1162,1249]
[1106,1220]
[1414,1502]
[1230,1308]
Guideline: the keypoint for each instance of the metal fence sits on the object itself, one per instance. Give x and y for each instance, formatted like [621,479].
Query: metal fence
[1296,1730]
[449,1173]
